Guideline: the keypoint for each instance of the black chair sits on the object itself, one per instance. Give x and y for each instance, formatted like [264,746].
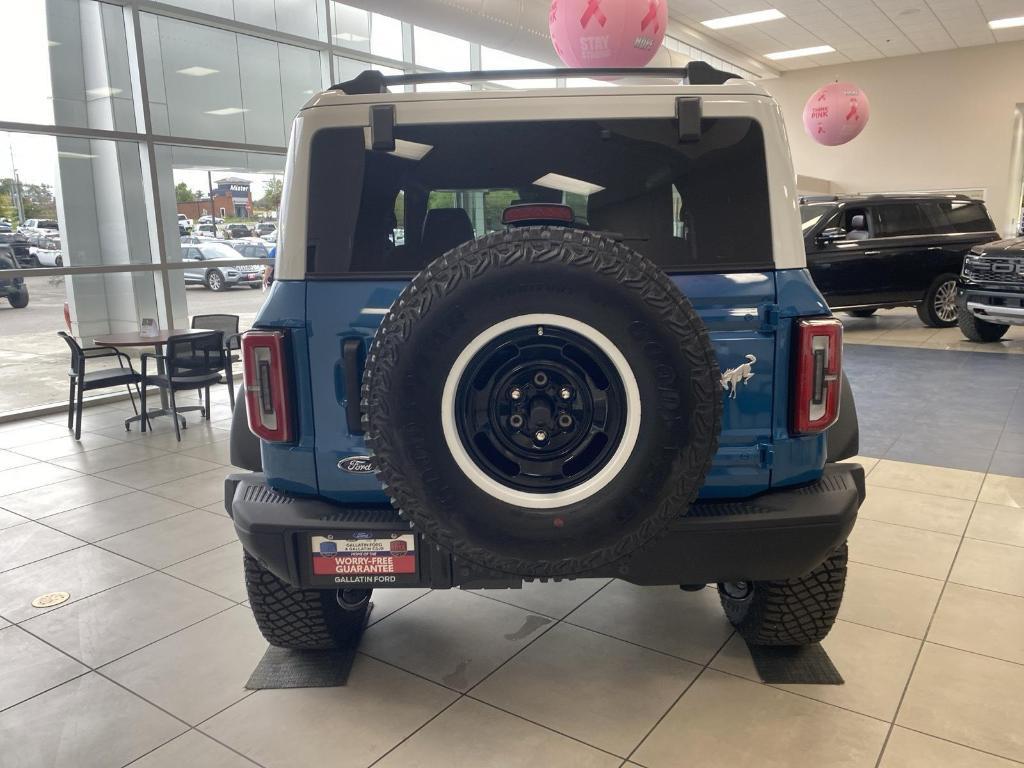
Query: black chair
[82,380]
[192,361]
[228,324]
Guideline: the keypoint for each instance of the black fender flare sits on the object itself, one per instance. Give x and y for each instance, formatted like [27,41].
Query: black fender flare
[843,437]
[245,446]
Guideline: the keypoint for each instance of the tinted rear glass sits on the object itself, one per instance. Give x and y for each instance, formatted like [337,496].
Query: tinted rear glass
[898,219]
[687,206]
[967,216]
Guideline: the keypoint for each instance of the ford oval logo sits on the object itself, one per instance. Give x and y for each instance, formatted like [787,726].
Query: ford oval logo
[356,464]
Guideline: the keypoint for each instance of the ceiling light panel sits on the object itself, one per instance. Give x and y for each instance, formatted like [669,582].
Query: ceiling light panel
[742,19]
[815,50]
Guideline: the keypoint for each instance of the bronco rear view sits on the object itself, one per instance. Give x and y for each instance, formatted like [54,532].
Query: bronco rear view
[541,335]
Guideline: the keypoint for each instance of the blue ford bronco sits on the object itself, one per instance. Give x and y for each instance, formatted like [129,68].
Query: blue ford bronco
[533,335]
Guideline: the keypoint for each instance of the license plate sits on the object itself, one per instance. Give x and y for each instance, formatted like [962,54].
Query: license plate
[364,557]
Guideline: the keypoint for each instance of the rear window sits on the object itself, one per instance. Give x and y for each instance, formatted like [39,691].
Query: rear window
[966,216]
[699,206]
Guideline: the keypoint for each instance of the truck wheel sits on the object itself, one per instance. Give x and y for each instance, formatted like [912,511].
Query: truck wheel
[305,619]
[861,312]
[939,309]
[976,329]
[542,402]
[19,300]
[215,281]
[791,612]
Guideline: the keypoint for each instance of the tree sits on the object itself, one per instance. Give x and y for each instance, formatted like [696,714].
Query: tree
[183,193]
[271,199]
[36,199]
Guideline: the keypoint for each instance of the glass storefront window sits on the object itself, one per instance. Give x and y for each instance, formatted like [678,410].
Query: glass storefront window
[492,58]
[360,30]
[304,18]
[440,51]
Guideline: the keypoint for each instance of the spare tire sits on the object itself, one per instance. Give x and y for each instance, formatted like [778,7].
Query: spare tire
[542,402]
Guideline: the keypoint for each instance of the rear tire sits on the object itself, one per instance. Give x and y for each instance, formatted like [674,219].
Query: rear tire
[938,308]
[861,312]
[792,612]
[19,300]
[302,619]
[979,330]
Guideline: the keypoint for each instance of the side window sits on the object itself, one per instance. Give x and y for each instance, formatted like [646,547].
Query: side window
[855,221]
[899,219]
[937,216]
[969,217]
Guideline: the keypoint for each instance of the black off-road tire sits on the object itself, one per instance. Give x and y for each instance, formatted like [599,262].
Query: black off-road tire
[19,300]
[302,619]
[532,271]
[861,312]
[928,311]
[791,612]
[978,330]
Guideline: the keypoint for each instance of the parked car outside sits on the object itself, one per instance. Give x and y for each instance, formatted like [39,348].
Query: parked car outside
[990,292]
[207,231]
[207,219]
[265,228]
[185,221]
[237,230]
[557,391]
[870,252]
[12,288]
[19,247]
[36,229]
[215,277]
[253,248]
[48,252]
[270,238]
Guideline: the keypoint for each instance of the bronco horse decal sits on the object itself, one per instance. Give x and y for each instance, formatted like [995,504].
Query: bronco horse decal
[741,374]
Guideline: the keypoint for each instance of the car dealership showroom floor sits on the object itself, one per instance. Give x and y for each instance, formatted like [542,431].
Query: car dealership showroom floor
[145,664]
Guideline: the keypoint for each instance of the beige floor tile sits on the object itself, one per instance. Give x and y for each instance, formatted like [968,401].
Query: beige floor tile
[62,496]
[196,490]
[1000,489]
[473,734]
[110,624]
[88,722]
[874,664]
[31,476]
[163,469]
[690,625]
[940,481]
[29,666]
[988,565]
[387,601]
[218,452]
[972,700]
[102,459]
[219,570]
[977,620]
[221,653]
[452,637]
[779,730]
[10,460]
[287,728]
[602,691]
[28,542]
[867,462]
[912,550]
[994,522]
[7,519]
[918,510]
[80,572]
[199,432]
[217,509]
[889,600]
[910,749]
[555,599]
[104,519]
[192,750]
[174,539]
[30,432]
[65,445]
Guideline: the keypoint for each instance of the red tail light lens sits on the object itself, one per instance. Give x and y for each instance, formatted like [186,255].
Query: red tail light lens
[817,375]
[267,396]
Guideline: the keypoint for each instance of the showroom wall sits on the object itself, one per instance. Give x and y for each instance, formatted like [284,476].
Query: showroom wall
[938,121]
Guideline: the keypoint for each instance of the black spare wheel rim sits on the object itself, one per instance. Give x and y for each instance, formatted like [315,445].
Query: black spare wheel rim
[552,331]
[540,408]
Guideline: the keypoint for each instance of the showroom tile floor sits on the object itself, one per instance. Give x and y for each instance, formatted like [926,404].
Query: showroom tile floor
[145,664]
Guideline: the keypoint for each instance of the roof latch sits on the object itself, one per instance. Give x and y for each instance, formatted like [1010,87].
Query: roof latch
[688,114]
[382,127]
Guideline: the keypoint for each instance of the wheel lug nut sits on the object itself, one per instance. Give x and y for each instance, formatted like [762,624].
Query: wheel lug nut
[516,393]
[516,420]
[541,436]
[540,378]
[565,421]
[565,394]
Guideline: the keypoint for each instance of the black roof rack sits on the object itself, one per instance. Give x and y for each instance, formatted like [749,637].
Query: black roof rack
[372,81]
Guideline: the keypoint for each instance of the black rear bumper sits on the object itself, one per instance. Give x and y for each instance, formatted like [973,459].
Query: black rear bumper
[780,534]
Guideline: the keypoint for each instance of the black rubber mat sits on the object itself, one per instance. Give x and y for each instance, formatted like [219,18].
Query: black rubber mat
[286,668]
[799,665]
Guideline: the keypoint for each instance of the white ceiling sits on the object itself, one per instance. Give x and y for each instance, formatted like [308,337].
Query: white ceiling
[857,29]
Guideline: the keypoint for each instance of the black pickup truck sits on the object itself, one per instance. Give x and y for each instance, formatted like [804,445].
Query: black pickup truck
[869,252]
[991,290]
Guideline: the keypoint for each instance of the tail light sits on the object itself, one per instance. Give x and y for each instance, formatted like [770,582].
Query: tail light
[267,396]
[818,375]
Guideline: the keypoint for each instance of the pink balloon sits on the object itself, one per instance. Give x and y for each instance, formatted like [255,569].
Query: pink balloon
[607,33]
[836,113]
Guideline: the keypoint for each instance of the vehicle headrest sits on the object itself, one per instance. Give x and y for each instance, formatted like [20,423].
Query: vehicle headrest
[858,221]
[443,229]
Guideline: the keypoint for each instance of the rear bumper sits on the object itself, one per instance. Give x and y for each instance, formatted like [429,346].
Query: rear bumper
[777,535]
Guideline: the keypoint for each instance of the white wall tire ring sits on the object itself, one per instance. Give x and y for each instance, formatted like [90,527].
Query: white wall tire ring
[502,492]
